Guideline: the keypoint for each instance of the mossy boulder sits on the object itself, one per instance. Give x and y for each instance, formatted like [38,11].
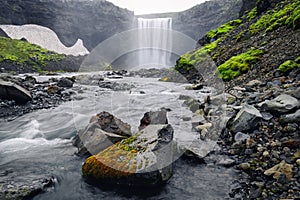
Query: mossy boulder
[144,159]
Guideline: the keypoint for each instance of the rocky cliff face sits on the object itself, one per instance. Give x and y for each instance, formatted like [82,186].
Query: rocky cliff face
[92,21]
[197,21]
[96,20]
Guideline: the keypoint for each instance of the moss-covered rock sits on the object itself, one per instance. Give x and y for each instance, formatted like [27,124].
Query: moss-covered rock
[224,29]
[141,160]
[288,66]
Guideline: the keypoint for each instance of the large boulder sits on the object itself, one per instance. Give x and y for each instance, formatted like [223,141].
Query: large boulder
[103,131]
[281,104]
[144,159]
[246,119]
[12,91]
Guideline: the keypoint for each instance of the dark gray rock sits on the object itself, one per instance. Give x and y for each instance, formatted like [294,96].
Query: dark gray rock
[281,104]
[111,124]
[291,118]
[93,140]
[246,119]
[66,82]
[153,117]
[11,91]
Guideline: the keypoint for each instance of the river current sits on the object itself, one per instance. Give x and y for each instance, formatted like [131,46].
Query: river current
[40,143]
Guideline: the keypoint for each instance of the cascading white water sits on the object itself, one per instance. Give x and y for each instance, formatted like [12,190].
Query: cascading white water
[155,42]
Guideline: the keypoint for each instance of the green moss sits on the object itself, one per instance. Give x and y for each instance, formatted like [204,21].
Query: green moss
[288,66]
[289,15]
[297,60]
[22,52]
[252,14]
[239,64]
[224,29]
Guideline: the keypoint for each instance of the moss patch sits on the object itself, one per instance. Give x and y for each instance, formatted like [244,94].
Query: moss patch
[239,64]
[289,65]
[224,29]
[22,52]
[289,15]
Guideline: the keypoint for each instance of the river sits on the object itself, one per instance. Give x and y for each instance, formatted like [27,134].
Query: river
[40,143]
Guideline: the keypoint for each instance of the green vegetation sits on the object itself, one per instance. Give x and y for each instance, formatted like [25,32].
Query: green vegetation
[239,64]
[224,29]
[289,65]
[289,15]
[22,52]
[252,14]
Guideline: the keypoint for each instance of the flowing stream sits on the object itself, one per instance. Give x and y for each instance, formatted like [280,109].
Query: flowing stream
[39,144]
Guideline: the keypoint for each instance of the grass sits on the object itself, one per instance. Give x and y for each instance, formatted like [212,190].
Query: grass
[239,64]
[22,52]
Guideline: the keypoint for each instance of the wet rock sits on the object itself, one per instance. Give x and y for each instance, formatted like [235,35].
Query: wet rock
[93,140]
[115,86]
[226,162]
[144,159]
[197,148]
[246,119]
[11,91]
[153,117]
[23,188]
[66,82]
[281,168]
[281,104]
[193,104]
[53,89]
[111,124]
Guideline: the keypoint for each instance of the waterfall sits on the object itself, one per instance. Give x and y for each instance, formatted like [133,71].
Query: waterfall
[155,42]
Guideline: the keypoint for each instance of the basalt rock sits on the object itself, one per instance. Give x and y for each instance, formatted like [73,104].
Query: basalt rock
[157,117]
[144,159]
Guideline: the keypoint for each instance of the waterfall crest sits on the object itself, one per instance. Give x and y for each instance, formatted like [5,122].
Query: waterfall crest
[155,42]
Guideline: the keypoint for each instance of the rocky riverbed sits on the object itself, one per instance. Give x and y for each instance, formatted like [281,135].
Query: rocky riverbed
[256,127]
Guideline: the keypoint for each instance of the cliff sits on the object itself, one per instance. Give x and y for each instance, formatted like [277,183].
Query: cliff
[92,21]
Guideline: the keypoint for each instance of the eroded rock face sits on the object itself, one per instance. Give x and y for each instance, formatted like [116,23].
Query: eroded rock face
[11,91]
[144,159]
[92,21]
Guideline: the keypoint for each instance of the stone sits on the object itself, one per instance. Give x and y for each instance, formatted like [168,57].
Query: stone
[245,166]
[291,118]
[239,137]
[93,140]
[221,99]
[53,89]
[144,159]
[153,117]
[12,91]
[281,104]
[112,124]
[66,82]
[246,119]
[226,162]
[292,143]
[253,83]
[199,149]
[281,168]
